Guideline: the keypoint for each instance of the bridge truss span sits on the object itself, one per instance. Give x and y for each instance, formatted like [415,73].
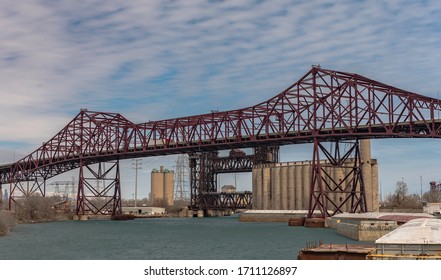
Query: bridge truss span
[323,105]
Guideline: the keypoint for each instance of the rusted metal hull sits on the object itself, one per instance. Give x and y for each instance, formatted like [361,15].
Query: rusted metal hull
[336,252]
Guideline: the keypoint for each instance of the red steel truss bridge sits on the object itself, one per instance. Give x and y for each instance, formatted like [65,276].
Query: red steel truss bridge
[323,105]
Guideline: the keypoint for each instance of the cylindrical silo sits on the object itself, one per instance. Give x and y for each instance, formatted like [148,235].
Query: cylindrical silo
[157,188]
[266,190]
[375,188]
[169,179]
[284,186]
[257,187]
[366,169]
[306,184]
[298,191]
[292,186]
[275,185]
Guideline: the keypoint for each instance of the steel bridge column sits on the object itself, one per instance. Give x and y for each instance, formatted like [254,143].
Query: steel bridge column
[330,192]
[26,189]
[93,198]
[317,193]
[365,159]
[192,162]
[80,205]
[117,207]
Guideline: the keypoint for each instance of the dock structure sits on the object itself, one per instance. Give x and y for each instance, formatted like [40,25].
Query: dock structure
[418,239]
[370,226]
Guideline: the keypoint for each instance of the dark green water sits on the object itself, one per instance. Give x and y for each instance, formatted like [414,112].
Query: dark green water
[165,239]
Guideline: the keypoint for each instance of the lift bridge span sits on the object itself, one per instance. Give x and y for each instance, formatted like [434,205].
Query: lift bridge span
[323,105]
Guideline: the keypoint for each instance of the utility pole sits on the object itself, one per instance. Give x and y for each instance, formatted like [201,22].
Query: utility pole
[137,164]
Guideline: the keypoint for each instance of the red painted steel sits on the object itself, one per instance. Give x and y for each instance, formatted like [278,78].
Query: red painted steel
[99,189]
[331,195]
[323,104]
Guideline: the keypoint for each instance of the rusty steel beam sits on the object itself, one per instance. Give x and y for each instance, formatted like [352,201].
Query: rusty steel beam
[99,189]
[331,195]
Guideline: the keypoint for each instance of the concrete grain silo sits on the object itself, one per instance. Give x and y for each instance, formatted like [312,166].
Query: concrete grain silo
[169,182]
[162,187]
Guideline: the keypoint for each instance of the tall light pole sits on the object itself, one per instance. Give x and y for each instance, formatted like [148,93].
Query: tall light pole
[137,163]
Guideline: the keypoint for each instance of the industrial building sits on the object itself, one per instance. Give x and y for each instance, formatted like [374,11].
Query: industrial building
[286,186]
[228,189]
[162,187]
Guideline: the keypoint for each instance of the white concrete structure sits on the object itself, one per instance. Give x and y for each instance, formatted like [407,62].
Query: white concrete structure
[432,208]
[143,210]
[417,239]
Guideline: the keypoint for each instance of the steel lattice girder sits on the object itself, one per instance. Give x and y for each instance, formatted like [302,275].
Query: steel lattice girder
[93,198]
[322,104]
[329,195]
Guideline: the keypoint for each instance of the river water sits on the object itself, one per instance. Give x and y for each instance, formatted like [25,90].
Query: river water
[221,238]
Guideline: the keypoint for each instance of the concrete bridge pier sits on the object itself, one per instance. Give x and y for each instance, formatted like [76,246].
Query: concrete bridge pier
[200,213]
[80,217]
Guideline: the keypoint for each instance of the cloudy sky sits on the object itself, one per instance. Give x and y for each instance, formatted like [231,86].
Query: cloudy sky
[154,59]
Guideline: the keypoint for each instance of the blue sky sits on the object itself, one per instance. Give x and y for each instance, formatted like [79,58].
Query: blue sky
[153,59]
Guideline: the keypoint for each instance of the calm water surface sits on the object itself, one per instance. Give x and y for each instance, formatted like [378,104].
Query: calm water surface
[169,238]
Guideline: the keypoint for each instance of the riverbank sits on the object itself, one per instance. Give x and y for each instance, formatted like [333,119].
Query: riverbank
[7,222]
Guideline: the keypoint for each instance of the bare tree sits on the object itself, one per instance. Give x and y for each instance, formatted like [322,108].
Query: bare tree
[401,198]
[432,196]
[35,208]
[400,192]
[7,222]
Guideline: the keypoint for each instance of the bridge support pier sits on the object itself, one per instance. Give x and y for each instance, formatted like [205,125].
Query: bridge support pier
[24,189]
[99,189]
[331,194]
[80,218]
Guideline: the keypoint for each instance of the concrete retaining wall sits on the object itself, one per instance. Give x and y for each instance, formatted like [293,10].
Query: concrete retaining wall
[365,230]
